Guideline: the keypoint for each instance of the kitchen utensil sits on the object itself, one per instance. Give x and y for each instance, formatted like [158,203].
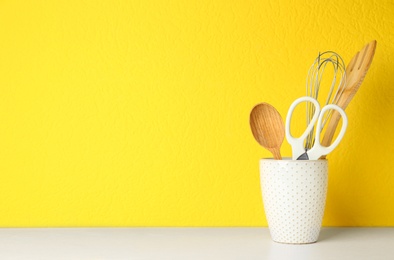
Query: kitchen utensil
[267,128]
[297,144]
[355,73]
[314,85]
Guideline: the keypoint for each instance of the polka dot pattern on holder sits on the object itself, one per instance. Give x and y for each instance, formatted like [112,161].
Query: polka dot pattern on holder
[294,196]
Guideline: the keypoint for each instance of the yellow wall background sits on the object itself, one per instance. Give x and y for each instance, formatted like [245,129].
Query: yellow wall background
[136,113]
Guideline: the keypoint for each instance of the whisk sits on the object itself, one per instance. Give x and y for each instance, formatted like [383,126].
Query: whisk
[313,85]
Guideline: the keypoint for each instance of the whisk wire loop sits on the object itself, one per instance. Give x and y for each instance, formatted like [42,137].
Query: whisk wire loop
[313,86]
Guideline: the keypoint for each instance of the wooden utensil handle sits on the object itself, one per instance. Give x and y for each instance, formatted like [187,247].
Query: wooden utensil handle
[276,153]
[330,131]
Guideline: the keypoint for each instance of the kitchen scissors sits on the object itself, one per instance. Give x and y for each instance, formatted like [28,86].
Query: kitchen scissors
[297,144]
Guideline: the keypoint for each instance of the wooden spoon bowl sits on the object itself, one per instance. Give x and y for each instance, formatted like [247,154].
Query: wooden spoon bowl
[267,128]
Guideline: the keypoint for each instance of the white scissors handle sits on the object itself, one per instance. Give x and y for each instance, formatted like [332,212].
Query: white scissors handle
[318,150]
[297,144]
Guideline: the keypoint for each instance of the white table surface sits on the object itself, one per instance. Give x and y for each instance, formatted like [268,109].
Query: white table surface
[190,243]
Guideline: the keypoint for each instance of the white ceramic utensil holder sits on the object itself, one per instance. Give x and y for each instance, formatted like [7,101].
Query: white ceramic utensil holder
[294,196]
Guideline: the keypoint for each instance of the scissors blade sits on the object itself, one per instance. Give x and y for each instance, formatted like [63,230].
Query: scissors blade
[303,156]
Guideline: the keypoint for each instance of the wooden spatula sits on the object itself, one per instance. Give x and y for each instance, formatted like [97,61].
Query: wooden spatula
[355,74]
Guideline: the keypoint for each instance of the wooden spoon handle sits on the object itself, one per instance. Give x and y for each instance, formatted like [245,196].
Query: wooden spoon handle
[276,153]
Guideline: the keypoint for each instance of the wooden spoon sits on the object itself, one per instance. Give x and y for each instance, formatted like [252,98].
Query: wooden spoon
[355,74]
[267,128]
